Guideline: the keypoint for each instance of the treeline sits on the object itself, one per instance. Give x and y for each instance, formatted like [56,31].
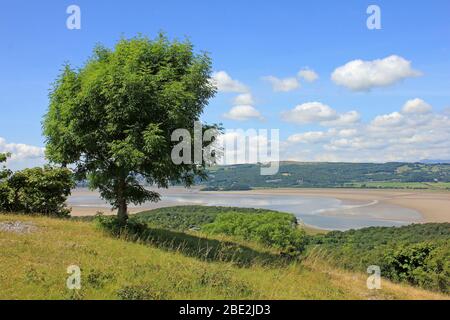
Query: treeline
[417,254]
[323,174]
[35,190]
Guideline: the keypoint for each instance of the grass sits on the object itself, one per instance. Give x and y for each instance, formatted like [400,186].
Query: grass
[311,230]
[34,267]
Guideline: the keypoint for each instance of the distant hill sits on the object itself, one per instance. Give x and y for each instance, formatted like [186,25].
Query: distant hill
[332,174]
[428,161]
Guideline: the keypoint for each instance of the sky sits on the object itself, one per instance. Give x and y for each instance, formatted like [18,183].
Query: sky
[336,90]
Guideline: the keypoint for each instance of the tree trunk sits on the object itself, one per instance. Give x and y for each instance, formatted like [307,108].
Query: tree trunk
[122,213]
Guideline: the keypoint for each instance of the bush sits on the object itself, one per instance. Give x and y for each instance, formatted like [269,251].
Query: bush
[193,217]
[424,264]
[277,230]
[117,227]
[37,190]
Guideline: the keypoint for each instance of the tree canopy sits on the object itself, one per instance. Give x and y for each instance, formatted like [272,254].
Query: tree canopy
[112,119]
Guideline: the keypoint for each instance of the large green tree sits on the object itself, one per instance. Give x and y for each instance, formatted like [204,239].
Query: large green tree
[112,119]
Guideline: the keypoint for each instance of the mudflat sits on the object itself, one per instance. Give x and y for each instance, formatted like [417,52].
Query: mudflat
[434,206]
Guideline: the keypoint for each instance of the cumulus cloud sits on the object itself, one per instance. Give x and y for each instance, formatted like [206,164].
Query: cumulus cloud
[416,106]
[311,112]
[343,119]
[346,133]
[308,75]
[359,75]
[22,155]
[244,99]
[388,120]
[243,109]
[225,83]
[243,112]
[284,85]
[20,151]
[396,136]
[309,137]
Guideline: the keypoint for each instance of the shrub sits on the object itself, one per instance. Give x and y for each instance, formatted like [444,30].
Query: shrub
[183,218]
[424,264]
[37,190]
[117,227]
[277,230]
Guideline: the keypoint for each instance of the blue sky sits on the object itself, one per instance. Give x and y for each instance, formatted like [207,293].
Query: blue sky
[250,40]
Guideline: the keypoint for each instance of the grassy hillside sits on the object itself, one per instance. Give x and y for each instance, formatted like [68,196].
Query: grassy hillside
[34,267]
[323,174]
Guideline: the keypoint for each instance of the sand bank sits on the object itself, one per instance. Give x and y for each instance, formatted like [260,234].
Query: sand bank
[434,206]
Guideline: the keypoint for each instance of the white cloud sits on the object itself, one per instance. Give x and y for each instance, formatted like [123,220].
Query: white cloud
[359,75]
[244,99]
[21,151]
[225,83]
[416,106]
[308,75]
[309,137]
[343,119]
[310,112]
[285,85]
[397,136]
[346,133]
[243,112]
[388,120]
[22,155]
[243,109]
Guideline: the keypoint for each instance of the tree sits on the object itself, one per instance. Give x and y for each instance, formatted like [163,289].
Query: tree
[113,118]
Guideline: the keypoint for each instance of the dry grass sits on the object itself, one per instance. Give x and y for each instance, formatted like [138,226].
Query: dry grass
[34,267]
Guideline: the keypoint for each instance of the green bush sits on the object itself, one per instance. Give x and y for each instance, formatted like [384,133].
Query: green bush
[425,264]
[277,230]
[183,218]
[117,227]
[37,190]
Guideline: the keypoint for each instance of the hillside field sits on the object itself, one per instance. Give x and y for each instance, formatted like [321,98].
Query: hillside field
[34,266]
